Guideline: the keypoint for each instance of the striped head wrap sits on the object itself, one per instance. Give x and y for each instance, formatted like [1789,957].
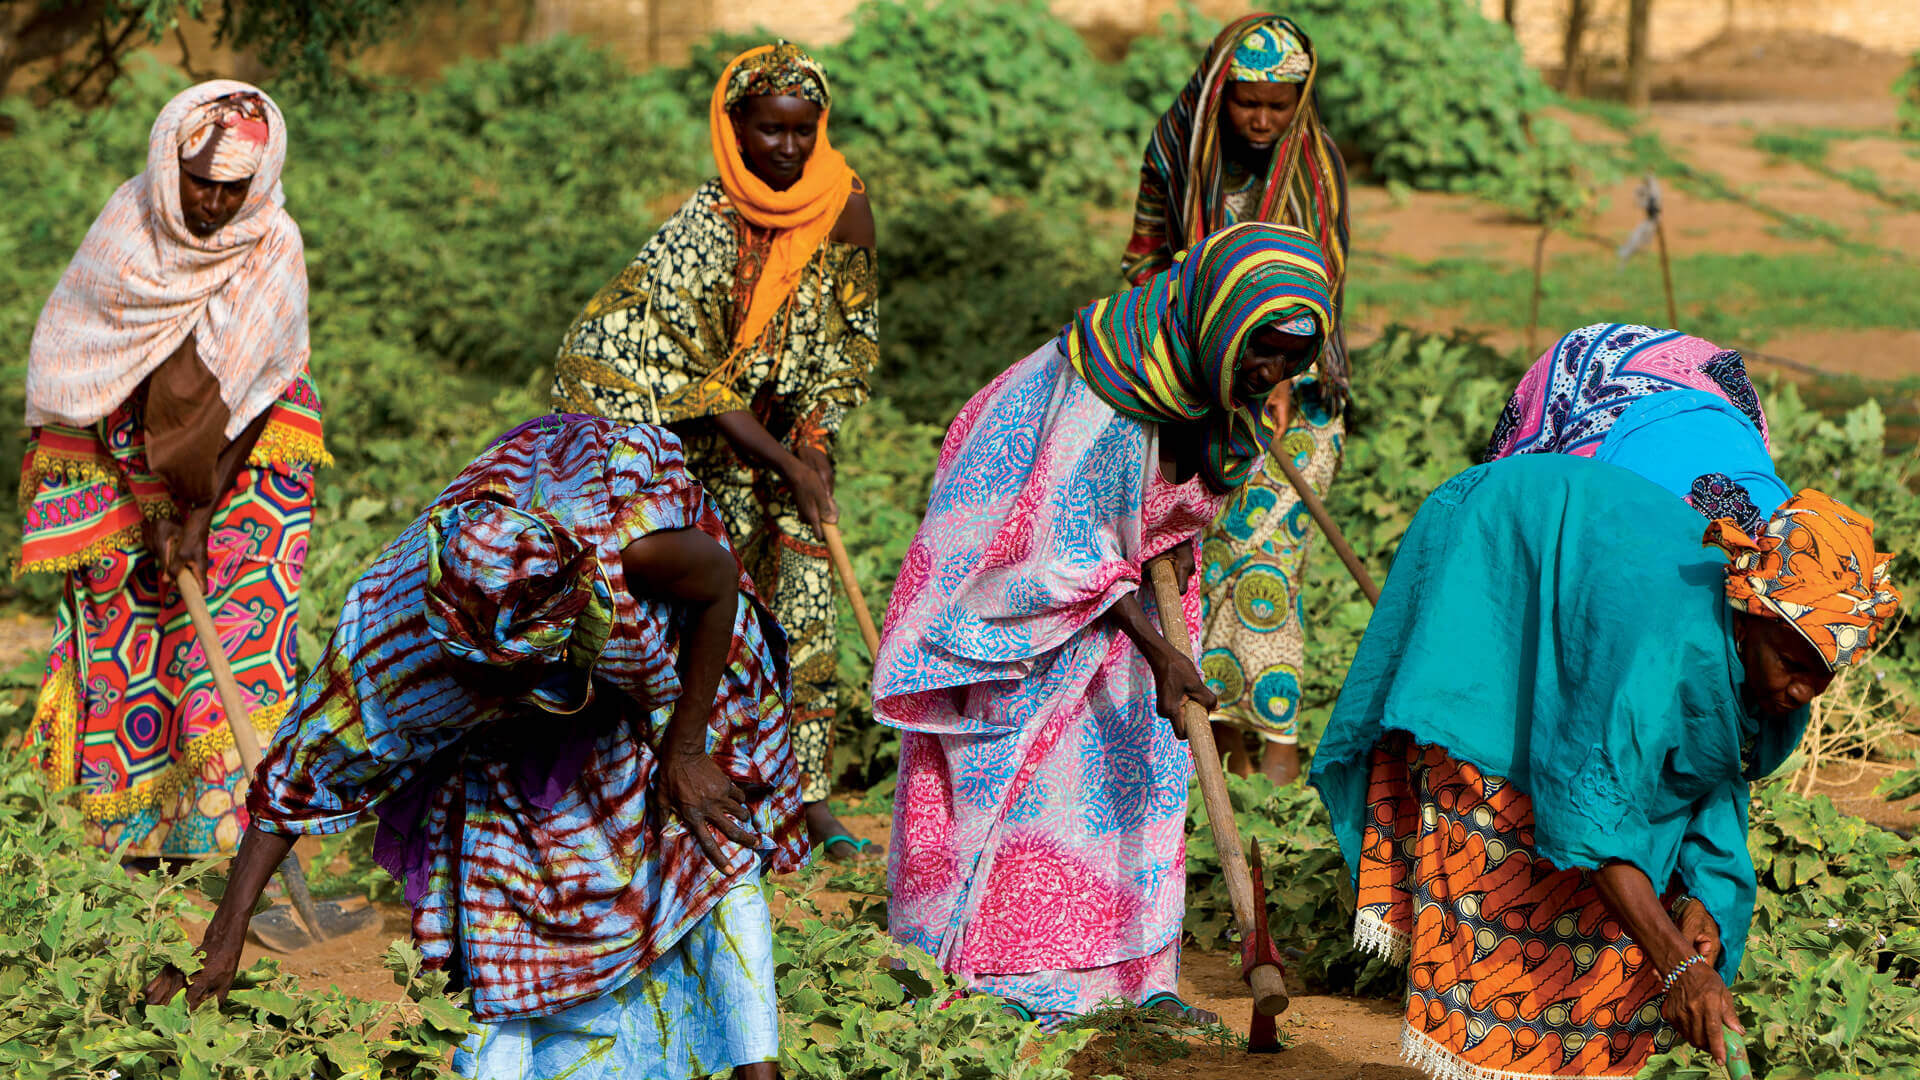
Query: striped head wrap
[1271,53]
[1814,566]
[1183,173]
[783,69]
[1167,350]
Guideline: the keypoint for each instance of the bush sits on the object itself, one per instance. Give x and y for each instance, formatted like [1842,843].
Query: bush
[1906,93]
[82,938]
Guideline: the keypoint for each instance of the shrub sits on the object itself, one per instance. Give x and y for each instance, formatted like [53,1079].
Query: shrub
[1906,92]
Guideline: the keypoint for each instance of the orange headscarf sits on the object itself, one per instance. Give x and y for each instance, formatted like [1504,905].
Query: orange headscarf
[1814,566]
[804,214]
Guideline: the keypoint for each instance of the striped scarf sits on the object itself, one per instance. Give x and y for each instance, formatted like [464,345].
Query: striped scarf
[1165,351]
[1304,183]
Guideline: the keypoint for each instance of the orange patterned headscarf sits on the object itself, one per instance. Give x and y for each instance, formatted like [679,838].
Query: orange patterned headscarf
[803,214]
[1814,566]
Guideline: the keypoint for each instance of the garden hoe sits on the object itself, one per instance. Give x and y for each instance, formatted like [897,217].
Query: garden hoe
[1339,541]
[843,566]
[275,929]
[1259,962]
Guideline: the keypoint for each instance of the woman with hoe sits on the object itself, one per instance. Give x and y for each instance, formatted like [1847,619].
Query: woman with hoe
[748,325]
[1244,142]
[559,695]
[1538,768]
[173,426]
[1039,821]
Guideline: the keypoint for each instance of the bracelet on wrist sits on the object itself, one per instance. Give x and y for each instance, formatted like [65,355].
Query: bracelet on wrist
[1671,977]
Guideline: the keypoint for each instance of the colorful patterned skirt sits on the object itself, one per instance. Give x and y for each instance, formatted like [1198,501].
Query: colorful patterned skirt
[1255,560]
[1516,970]
[128,710]
[706,1006]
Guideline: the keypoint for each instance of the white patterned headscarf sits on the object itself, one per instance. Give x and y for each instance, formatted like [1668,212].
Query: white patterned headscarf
[142,281]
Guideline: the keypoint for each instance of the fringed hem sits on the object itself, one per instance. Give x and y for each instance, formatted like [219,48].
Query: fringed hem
[57,713]
[47,464]
[1422,1052]
[1372,934]
[119,805]
[74,560]
[283,445]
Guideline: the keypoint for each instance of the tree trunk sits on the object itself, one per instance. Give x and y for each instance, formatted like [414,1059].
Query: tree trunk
[1639,79]
[1539,277]
[1510,11]
[1573,62]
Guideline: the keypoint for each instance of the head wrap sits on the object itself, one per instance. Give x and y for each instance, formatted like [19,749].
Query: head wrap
[142,281]
[1272,53]
[1182,188]
[1814,566]
[777,70]
[224,139]
[802,215]
[1167,351]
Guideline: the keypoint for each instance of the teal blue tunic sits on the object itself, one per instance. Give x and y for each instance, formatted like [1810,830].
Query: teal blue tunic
[1556,621]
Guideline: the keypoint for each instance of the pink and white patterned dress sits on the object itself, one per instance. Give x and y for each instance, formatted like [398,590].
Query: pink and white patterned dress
[1038,838]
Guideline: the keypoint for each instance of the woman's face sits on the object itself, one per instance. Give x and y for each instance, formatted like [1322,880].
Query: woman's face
[1257,114]
[208,205]
[776,135]
[1268,359]
[1784,672]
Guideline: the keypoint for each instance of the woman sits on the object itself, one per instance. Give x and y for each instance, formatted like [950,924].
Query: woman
[1041,808]
[1543,799]
[559,696]
[173,426]
[748,325]
[1676,409]
[1243,142]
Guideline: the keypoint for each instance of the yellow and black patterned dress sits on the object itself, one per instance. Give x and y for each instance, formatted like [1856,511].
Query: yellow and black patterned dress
[643,351]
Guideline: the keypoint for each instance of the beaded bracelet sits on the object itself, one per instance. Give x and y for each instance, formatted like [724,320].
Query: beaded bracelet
[1667,981]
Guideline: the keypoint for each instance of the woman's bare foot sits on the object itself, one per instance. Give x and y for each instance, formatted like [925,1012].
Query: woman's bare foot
[1281,763]
[1232,743]
[829,836]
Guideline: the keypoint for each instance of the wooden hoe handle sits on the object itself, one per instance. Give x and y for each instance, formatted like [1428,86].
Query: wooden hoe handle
[1334,536]
[1269,985]
[843,566]
[240,723]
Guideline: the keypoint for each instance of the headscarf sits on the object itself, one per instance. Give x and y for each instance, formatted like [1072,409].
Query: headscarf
[1166,351]
[1304,182]
[224,140]
[1271,52]
[1814,566]
[142,281]
[803,214]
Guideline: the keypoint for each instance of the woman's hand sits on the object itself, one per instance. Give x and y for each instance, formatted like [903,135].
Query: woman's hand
[1175,680]
[1701,931]
[813,491]
[195,539]
[220,951]
[700,794]
[1181,558]
[162,536]
[1698,1006]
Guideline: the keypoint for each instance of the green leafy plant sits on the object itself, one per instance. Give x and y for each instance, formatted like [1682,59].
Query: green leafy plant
[1906,93]
[81,938]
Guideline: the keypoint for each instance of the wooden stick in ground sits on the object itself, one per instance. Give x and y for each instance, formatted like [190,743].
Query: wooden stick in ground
[1334,536]
[843,566]
[239,721]
[1269,985]
[1666,268]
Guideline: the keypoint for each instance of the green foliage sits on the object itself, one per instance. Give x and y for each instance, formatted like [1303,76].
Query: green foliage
[854,1006]
[301,40]
[923,83]
[1828,985]
[81,938]
[1309,893]
[1434,99]
[1906,93]
[1554,180]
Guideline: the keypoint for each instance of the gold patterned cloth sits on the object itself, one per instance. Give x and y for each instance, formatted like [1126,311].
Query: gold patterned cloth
[639,352]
